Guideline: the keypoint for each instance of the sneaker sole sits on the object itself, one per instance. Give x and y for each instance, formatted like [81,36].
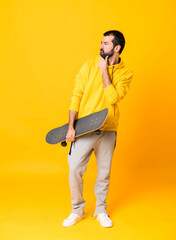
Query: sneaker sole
[79,219]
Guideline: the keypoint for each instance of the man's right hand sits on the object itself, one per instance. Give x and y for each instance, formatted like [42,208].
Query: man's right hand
[70,137]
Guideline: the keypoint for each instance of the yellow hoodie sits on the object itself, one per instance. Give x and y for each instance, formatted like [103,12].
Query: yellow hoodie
[89,94]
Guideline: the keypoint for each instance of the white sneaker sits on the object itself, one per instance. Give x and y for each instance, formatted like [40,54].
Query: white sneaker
[72,219]
[104,220]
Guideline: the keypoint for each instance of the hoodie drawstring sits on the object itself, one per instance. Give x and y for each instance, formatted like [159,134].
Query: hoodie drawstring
[112,72]
[112,79]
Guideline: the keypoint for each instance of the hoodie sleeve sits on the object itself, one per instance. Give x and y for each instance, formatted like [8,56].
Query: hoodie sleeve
[115,92]
[79,87]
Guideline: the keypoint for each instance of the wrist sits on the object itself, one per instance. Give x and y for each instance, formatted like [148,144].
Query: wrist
[104,72]
[70,126]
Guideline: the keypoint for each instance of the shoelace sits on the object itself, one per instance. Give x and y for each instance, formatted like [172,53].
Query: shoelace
[105,217]
[71,217]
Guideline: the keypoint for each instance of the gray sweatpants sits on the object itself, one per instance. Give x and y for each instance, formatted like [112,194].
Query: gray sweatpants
[78,157]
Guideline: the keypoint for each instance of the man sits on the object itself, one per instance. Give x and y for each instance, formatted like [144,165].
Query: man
[101,83]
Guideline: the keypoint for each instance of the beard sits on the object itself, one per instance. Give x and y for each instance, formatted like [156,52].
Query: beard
[109,54]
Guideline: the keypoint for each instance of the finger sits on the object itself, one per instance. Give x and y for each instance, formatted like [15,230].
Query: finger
[69,139]
[72,138]
[106,58]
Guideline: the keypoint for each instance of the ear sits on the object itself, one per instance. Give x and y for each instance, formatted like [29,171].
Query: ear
[117,48]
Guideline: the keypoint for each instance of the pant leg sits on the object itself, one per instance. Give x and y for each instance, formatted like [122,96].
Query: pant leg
[78,158]
[104,150]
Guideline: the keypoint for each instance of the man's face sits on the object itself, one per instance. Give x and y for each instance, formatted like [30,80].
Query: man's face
[107,47]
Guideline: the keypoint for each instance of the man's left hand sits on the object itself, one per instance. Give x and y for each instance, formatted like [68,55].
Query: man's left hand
[103,64]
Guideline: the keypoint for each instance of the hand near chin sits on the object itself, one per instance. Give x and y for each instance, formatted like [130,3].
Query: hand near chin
[103,64]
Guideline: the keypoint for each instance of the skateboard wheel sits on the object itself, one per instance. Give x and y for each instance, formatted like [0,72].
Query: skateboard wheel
[98,132]
[64,144]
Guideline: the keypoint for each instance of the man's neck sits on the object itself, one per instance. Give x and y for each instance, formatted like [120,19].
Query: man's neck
[114,60]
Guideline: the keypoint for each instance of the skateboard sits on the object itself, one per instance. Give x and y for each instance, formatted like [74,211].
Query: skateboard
[82,126]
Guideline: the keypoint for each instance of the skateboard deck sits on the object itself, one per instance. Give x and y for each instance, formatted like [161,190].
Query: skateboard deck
[82,126]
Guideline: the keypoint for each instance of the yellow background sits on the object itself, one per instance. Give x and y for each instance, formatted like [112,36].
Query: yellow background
[43,44]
